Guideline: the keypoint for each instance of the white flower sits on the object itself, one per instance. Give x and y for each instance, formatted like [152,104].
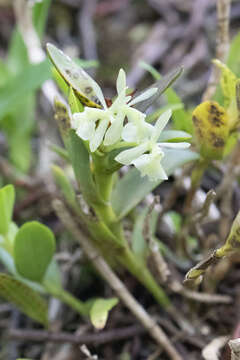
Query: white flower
[147,156]
[106,125]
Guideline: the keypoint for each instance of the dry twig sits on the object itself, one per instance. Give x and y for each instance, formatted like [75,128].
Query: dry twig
[222,45]
[154,330]
[102,337]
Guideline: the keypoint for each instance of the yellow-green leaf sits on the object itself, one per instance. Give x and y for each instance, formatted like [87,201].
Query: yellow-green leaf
[232,243]
[99,311]
[74,102]
[228,83]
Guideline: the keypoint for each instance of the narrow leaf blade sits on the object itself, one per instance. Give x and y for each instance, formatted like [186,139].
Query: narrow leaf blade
[161,85]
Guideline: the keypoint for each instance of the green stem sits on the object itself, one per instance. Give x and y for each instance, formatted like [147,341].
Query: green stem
[104,182]
[125,256]
[141,272]
[68,299]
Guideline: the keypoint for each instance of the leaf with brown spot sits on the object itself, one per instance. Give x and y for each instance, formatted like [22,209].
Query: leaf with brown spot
[211,127]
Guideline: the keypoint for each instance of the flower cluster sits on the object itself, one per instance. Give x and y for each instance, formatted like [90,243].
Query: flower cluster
[121,124]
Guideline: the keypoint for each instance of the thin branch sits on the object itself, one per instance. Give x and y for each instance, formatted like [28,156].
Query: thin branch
[222,45]
[203,212]
[104,269]
[202,297]
[102,337]
[157,258]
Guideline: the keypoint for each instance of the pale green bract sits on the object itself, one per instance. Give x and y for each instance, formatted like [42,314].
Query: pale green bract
[106,127]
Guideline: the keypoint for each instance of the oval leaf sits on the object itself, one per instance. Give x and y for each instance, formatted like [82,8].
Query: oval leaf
[7,197]
[26,299]
[34,247]
[99,311]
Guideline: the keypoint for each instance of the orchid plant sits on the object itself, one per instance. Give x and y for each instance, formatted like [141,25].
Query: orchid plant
[103,135]
[105,129]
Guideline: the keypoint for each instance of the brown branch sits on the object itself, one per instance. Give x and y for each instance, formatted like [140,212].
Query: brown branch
[222,45]
[62,337]
[122,292]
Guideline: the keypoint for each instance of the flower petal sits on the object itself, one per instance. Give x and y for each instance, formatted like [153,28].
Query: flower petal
[85,129]
[76,119]
[133,115]
[180,145]
[144,96]
[127,156]
[150,165]
[160,124]
[120,102]
[98,136]
[129,133]
[121,81]
[113,133]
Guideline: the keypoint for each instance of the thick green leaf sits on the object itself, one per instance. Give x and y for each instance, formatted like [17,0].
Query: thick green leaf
[17,58]
[25,82]
[34,247]
[18,126]
[7,197]
[20,151]
[181,118]
[7,260]
[81,164]
[74,102]
[40,14]
[99,311]
[59,150]
[4,73]
[155,115]
[161,85]
[26,299]
[64,184]
[131,189]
